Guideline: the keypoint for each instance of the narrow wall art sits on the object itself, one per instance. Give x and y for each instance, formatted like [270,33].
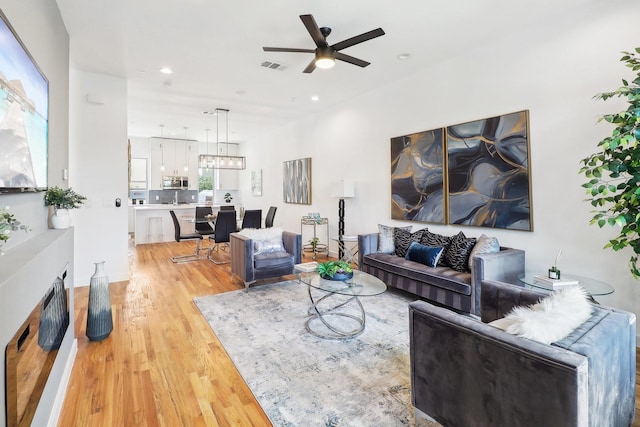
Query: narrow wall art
[417,177]
[488,172]
[296,181]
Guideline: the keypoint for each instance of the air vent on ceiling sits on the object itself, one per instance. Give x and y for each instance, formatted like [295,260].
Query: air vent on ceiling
[273,65]
[209,113]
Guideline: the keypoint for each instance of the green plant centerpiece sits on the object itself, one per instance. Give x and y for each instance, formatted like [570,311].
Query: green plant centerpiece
[228,197]
[614,170]
[335,270]
[61,198]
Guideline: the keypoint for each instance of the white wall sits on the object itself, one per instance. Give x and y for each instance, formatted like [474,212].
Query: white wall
[553,73]
[40,27]
[98,170]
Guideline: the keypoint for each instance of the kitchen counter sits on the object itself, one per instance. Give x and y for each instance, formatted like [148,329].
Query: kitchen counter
[162,230]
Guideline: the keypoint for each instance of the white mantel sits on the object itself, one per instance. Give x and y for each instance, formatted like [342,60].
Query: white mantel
[26,273]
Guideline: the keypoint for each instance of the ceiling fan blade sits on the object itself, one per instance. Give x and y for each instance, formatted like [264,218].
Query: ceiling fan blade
[351,60]
[310,67]
[358,39]
[287,49]
[313,29]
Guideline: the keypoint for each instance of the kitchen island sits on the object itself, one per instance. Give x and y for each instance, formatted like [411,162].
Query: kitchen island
[162,230]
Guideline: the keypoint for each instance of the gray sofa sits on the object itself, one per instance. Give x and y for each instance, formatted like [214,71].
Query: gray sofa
[467,373]
[443,285]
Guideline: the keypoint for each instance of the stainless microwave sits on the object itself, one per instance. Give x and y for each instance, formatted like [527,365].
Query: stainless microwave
[175,183]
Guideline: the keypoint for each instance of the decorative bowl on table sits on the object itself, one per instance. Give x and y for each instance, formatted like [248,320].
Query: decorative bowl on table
[335,270]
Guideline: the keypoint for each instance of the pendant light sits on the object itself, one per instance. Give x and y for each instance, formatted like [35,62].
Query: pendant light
[186,158]
[225,161]
[162,148]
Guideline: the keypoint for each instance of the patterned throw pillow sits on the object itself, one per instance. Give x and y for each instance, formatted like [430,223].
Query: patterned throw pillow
[437,240]
[385,239]
[457,254]
[403,238]
[484,245]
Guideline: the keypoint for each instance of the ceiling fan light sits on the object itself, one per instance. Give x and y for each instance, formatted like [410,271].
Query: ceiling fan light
[325,63]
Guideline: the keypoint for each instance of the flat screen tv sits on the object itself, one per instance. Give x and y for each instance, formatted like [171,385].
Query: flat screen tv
[24,116]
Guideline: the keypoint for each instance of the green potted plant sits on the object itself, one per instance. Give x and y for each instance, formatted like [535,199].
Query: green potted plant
[228,197]
[614,170]
[62,199]
[335,270]
[8,224]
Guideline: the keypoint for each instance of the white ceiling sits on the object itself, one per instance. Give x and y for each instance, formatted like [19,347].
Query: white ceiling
[215,51]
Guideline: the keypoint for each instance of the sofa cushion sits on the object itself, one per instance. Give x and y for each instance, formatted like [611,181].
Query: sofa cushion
[484,245]
[435,240]
[272,259]
[403,238]
[442,277]
[386,243]
[457,254]
[427,255]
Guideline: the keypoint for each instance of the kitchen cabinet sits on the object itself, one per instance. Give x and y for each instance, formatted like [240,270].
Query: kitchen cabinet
[180,158]
[227,178]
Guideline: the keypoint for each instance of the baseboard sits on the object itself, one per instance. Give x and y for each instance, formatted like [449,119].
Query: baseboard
[62,388]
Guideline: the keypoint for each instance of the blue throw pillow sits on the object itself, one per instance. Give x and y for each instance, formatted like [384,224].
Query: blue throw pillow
[427,255]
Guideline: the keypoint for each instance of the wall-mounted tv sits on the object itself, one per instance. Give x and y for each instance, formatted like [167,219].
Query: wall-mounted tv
[24,116]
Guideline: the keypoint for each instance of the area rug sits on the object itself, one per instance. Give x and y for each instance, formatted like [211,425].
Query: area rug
[302,380]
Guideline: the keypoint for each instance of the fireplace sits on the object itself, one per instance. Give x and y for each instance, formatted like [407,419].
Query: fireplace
[30,354]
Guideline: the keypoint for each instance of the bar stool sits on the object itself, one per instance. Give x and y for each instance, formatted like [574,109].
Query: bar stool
[154,223]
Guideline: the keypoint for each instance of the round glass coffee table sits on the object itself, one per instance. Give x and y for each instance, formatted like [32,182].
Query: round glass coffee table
[592,286]
[340,317]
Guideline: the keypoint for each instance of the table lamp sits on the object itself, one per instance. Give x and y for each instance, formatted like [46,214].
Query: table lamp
[342,190]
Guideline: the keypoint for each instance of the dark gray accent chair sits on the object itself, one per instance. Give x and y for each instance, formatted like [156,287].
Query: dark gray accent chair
[250,267]
[467,373]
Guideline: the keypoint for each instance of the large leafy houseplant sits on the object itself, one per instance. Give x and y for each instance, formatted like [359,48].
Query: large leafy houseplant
[614,171]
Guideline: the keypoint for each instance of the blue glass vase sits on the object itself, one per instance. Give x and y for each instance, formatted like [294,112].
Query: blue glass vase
[99,320]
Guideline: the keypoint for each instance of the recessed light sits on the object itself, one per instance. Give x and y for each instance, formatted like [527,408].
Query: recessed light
[166,70]
[240,92]
[167,84]
[403,56]
[315,98]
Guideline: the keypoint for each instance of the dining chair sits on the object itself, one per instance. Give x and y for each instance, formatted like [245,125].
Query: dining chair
[203,223]
[227,208]
[189,236]
[271,213]
[252,219]
[225,225]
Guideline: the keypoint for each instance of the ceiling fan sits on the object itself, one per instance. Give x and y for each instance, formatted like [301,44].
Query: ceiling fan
[326,55]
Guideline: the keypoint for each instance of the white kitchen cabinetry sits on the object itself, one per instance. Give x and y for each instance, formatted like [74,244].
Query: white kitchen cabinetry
[177,154]
[227,178]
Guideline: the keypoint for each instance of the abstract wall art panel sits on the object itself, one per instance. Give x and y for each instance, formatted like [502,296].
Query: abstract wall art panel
[488,172]
[296,185]
[417,177]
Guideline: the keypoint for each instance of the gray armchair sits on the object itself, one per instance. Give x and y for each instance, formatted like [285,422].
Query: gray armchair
[467,373]
[250,267]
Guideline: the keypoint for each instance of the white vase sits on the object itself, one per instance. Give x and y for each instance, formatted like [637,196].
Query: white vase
[61,218]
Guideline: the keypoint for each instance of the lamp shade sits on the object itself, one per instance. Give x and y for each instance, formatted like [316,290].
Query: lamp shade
[343,189]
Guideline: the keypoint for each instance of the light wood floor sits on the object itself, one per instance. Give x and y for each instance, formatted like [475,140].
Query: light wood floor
[162,365]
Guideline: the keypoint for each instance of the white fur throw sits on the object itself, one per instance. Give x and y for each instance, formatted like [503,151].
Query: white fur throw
[264,239]
[551,319]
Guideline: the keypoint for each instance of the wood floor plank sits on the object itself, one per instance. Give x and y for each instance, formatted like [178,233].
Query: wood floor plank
[162,365]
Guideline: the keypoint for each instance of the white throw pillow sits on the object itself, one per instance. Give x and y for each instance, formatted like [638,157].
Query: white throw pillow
[264,239]
[551,319]
[484,245]
[386,243]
